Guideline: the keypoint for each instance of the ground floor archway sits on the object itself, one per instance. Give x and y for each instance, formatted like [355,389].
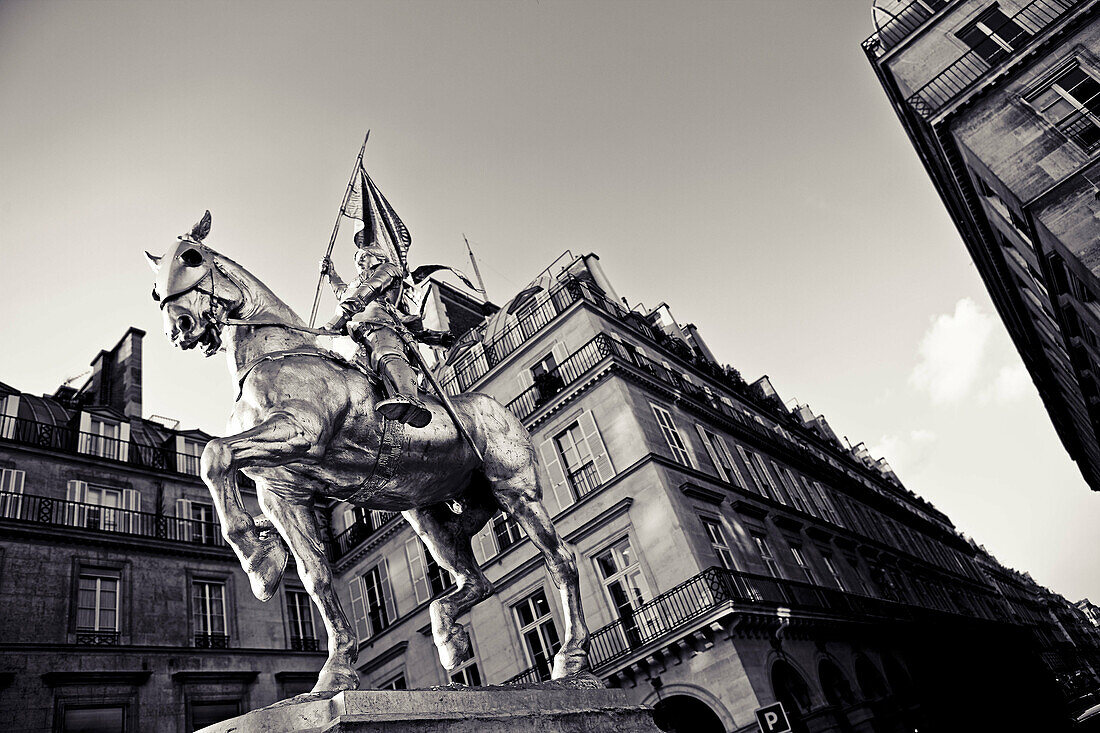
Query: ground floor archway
[686,714]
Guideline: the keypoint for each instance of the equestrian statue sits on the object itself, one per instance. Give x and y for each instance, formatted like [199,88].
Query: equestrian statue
[309,423]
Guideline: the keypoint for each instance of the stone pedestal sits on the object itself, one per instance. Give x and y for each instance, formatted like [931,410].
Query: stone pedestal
[449,710]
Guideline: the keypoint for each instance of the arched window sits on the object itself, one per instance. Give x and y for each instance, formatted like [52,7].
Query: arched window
[900,681]
[870,679]
[686,714]
[838,692]
[791,690]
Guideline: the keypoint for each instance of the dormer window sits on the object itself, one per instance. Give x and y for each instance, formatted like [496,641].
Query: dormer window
[102,438]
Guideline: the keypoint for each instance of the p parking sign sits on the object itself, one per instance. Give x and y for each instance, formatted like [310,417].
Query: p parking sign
[773,719]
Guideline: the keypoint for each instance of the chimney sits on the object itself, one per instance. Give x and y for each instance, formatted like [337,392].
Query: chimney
[116,376]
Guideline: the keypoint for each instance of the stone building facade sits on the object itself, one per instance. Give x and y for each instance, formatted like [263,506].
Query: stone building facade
[732,552]
[1001,100]
[123,609]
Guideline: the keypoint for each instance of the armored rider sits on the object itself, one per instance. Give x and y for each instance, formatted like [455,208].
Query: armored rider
[366,312]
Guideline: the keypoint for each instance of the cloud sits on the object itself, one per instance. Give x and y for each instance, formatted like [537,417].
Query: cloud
[905,454]
[1010,384]
[951,353]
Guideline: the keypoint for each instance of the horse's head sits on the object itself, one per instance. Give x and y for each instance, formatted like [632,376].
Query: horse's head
[185,286]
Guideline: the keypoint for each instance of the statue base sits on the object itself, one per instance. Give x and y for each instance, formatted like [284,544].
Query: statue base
[453,709]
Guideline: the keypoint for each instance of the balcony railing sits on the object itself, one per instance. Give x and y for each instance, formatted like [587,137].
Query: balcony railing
[303,644]
[69,440]
[46,510]
[479,360]
[95,637]
[584,480]
[902,23]
[554,381]
[358,533]
[211,641]
[712,589]
[1033,19]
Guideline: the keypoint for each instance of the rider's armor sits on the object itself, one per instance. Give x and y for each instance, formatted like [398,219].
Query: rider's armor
[367,307]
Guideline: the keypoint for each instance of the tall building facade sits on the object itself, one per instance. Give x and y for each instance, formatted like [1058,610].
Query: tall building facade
[732,552]
[123,608]
[1001,100]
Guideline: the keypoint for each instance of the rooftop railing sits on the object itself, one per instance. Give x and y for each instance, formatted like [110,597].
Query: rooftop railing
[66,439]
[48,511]
[901,24]
[1016,33]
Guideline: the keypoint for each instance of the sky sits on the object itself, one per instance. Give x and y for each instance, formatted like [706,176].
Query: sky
[737,160]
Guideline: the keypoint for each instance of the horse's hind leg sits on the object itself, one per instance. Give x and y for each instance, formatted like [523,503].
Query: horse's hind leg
[520,496]
[296,523]
[447,537]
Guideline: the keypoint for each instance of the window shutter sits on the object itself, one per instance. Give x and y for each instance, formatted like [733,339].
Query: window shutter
[387,591]
[76,491]
[560,352]
[733,465]
[752,471]
[711,452]
[348,517]
[483,544]
[183,514]
[526,380]
[552,462]
[415,554]
[131,503]
[359,609]
[596,448]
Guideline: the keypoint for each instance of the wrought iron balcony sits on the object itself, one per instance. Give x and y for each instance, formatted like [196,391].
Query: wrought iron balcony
[676,610]
[97,637]
[584,480]
[48,511]
[303,644]
[211,641]
[357,534]
[65,439]
[1030,21]
[901,24]
[561,376]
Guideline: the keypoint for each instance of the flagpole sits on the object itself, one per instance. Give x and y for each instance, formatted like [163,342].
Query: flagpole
[477,271]
[336,229]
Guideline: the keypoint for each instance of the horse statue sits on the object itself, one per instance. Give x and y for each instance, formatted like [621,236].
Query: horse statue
[305,425]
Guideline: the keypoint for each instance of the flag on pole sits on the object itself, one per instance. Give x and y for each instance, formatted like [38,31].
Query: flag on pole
[381,224]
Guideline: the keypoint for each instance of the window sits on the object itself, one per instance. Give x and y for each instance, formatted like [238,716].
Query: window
[93,718]
[764,482]
[766,555]
[209,712]
[506,531]
[467,674]
[545,377]
[102,438]
[204,528]
[827,559]
[800,561]
[577,459]
[993,36]
[190,458]
[375,599]
[576,462]
[11,492]
[1072,103]
[718,542]
[720,456]
[672,436]
[429,580]
[625,587]
[536,628]
[97,609]
[372,601]
[208,610]
[299,612]
[396,683]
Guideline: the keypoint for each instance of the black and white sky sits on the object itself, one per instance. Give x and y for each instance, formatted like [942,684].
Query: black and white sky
[736,160]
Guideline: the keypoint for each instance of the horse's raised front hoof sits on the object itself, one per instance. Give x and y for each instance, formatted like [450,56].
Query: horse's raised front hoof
[336,678]
[569,663]
[455,648]
[265,569]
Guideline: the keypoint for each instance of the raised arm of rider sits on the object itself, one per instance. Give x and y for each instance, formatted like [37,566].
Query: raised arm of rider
[334,279]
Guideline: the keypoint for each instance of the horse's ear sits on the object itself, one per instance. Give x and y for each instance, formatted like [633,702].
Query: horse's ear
[154,262]
[200,230]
